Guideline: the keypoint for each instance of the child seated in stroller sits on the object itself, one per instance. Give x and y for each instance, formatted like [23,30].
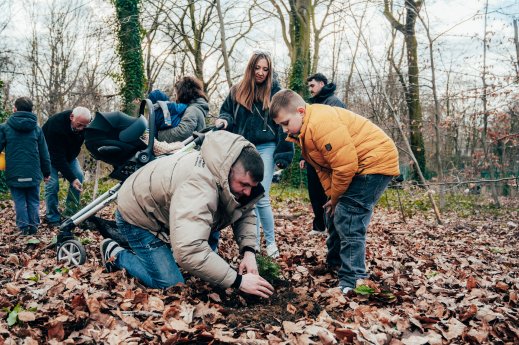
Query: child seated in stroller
[167,114]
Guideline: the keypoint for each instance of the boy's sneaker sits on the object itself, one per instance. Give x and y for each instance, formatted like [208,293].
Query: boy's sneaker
[345,289]
[317,233]
[273,251]
[109,248]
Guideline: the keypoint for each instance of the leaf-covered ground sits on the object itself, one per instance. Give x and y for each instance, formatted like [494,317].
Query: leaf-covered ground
[456,283]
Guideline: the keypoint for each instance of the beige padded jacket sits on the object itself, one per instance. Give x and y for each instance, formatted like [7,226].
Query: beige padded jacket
[183,197]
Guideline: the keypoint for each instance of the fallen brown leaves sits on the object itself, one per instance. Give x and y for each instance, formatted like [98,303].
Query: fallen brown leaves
[456,283]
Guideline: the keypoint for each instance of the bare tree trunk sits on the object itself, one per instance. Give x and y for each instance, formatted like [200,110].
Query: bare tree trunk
[347,88]
[516,41]
[413,89]
[488,158]
[437,116]
[396,118]
[224,44]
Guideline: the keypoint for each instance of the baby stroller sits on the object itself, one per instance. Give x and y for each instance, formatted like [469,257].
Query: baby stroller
[114,138]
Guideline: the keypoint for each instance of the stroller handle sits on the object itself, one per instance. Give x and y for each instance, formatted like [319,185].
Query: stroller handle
[198,137]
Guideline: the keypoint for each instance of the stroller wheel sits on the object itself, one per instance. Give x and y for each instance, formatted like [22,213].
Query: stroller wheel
[143,157]
[72,252]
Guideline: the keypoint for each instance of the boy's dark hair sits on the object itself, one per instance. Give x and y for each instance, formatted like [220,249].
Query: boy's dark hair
[23,104]
[252,163]
[285,99]
[189,89]
[317,77]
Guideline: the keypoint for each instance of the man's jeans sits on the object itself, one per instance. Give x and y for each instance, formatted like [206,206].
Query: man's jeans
[347,240]
[26,205]
[152,260]
[52,190]
[263,210]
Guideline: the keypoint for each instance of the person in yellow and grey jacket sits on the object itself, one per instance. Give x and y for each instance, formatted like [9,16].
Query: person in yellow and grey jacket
[355,161]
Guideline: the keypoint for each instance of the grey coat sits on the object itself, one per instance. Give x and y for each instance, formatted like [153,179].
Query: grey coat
[192,120]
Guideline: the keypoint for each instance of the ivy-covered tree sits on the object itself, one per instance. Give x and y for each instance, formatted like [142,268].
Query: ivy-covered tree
[130,52]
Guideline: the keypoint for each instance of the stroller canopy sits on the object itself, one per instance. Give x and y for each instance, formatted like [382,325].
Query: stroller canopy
[114,137]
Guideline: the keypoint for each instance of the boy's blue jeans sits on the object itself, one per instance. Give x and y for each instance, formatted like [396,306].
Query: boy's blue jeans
[347,240]
[152,259]
[52,190]
[26,205]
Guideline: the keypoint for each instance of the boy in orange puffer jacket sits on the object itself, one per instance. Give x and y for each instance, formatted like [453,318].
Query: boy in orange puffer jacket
[355,161]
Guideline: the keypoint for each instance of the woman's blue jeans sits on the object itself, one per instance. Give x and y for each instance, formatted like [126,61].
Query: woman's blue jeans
[264,214]
[152,259]
[347,236]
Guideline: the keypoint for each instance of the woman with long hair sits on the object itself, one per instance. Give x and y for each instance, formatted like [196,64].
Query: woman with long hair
[189,90]
[246,112]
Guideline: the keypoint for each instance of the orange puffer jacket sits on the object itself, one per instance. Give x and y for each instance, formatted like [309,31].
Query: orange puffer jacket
[341,144]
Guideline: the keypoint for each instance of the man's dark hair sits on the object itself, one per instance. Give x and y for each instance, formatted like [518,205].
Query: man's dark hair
[317,77]
[252,163]
[188,89]
[23,104]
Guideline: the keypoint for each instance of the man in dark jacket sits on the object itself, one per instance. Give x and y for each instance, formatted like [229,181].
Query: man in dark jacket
[322,93]
[64,136]
[27,162]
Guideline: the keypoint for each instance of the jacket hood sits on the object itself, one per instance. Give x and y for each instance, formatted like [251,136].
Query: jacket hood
[202,104]
[219,151]
[23,121]
[157,95]
[327,91]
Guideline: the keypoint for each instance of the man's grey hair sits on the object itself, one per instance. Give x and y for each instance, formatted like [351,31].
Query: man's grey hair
[81,112]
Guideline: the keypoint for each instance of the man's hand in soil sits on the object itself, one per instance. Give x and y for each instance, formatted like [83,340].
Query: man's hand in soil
[255,285]
[248,264]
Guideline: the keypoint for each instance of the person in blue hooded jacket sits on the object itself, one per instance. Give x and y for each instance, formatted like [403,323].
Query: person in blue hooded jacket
[167,114]
[27,162]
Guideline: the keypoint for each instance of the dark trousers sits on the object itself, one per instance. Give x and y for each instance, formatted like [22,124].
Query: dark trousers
[347,235]
[317,197]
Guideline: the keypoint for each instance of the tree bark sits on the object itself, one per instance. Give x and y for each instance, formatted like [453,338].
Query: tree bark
[484,100]
[224,44]
[413,90]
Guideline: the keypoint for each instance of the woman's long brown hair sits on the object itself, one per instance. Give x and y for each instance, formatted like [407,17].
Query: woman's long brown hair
[247,91]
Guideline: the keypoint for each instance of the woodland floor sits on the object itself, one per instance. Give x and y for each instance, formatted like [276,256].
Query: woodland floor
[456,283]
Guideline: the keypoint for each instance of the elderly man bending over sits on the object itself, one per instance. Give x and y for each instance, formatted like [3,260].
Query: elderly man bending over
[64,135]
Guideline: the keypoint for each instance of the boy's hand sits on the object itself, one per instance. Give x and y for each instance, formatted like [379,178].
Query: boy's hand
[221,121]
[329,208]
[248,264]
[46,179]
[302,164]
[255,285]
